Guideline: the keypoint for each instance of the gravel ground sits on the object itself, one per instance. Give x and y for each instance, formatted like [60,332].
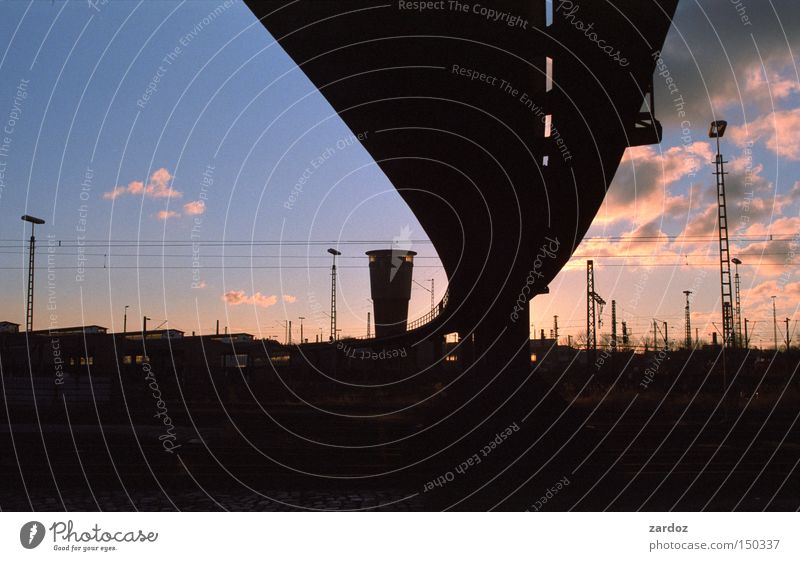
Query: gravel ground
[218,501]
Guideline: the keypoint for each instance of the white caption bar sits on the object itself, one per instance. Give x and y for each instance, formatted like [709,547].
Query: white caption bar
[399,536]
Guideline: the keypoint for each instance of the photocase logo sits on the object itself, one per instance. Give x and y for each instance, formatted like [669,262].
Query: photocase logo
[400,247]
[31,534]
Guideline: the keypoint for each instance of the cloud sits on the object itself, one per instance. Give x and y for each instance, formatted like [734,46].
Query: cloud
[777,129]
[237,297]
[114,193]
[773,82]
[641,191]
[201,284]
[157,188]
[166,214]
[194,208]
[643,246]
[714,58]
[289,299]
[263,301]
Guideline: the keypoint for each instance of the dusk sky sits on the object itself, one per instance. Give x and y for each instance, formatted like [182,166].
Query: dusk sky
[152,126]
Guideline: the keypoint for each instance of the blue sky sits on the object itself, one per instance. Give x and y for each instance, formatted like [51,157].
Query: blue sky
[231,126]
[226,97]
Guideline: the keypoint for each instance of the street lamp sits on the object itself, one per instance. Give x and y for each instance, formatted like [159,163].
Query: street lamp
[334,253]
[31,251]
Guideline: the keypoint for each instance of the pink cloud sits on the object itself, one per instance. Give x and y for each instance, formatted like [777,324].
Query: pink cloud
[289,299]
[194,208]
[166,214]
[134,188]
[114,193]
[157,188]
[776,129]
[770,82]
[263,301]
[641,191]
[237,297]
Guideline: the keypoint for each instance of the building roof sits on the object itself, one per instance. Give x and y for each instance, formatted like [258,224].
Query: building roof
[72,330]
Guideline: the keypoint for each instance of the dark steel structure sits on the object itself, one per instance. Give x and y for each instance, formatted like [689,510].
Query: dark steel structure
[687,336]
[500,134]
[738,299]
[333,337]
[613,325]
[717,130]
[593,301]
[31,253]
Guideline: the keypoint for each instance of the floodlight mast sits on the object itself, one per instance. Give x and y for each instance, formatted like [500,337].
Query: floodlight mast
[717,130]
[31,253]
[334,253]
[738,300]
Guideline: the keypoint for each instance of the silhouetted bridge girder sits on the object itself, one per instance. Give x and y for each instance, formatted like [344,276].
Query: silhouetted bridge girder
[502,139]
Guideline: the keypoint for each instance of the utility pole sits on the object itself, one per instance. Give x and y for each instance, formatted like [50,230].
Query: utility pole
[746,335]
[655,334]
[688,320]
[125,320]
[717,130]
[774,324]
[290,332]
[787,334]
[144,327]
[334,253]
[613,326]
[433,304]
[666,337]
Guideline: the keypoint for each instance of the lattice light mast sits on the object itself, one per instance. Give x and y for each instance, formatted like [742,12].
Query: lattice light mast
[688,321]
[591,323]
[31,252]
[334,253]
[738,299]
[717,130]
